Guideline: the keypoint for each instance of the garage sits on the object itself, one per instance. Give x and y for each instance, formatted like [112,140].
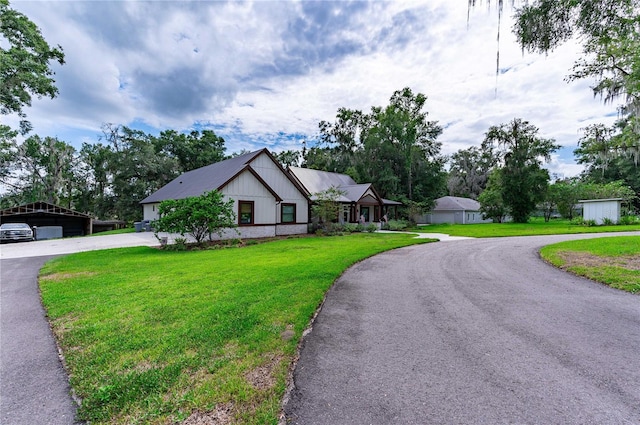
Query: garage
[43,214]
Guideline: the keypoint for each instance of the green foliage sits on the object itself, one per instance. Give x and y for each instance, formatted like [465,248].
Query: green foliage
[608,31]
[628,220]
[469,171]
[150,336]
[521,151]
[288,158]
[198,216]
[326,206]
[24,64]
[371,228]
[39,169]
[398,225]
[190,151]
[394,147]
[491,202]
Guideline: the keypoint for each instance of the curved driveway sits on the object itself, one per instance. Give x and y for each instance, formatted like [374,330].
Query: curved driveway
[34,387]
[470,332]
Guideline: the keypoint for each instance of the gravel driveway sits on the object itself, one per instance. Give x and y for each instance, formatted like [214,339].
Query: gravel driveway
[470,332]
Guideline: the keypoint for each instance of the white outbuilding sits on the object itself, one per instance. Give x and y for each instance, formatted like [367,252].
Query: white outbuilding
[602,210]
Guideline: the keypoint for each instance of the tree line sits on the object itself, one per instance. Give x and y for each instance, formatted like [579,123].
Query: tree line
[395,147]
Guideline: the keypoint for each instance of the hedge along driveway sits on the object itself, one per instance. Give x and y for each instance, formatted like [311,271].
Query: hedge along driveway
[151,336]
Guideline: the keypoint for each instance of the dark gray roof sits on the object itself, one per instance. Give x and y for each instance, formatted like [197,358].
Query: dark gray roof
[201,180]
[454,203]
[317,181]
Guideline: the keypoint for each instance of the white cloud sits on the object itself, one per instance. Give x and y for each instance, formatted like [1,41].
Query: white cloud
[265,73]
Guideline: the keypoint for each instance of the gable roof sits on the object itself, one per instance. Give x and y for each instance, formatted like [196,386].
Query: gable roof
[455,203]
[207,178]
[315,181]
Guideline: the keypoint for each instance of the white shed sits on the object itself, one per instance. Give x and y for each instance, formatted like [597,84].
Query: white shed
[601,210]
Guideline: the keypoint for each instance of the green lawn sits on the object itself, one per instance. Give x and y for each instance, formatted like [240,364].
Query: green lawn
[153,336]
[614,261]
[536,226]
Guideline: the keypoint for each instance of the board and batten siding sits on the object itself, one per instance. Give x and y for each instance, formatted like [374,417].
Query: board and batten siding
[246,187]
[150,211]
[601,210]
[276,178]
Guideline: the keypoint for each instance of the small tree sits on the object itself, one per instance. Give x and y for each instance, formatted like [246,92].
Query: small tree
[197,216]
[326,206]
[491,203]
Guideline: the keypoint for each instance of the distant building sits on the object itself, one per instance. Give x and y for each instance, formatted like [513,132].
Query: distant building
[454,210]
[601,210]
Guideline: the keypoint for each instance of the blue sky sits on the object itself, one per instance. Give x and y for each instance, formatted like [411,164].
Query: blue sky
[265,73]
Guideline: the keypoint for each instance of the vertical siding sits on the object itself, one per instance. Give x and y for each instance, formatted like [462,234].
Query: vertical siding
[150,211]
[600,210]
[246,187]
[276,178]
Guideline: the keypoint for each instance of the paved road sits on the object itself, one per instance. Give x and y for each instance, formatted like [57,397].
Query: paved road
[34,388]
[470,332]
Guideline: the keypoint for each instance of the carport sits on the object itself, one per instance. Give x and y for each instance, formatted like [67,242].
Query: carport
[40,214]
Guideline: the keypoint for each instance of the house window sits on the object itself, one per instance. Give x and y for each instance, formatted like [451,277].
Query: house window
[245,212]
[288,213]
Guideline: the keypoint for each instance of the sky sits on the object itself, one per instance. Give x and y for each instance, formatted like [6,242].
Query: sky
[265,73]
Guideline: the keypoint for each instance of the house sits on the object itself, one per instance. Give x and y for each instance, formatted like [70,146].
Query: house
[267,200]
[602,210]
[357,200]
[455,210]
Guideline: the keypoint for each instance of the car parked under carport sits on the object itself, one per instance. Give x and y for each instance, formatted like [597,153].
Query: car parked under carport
[15,232]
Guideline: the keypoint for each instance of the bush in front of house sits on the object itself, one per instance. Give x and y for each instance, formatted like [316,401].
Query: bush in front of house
[398,225]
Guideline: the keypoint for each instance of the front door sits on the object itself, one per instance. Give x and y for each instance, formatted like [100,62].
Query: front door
[365,212]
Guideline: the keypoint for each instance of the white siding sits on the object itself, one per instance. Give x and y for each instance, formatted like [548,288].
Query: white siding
[246,187]
[276,178]
[599,210]
[150,211]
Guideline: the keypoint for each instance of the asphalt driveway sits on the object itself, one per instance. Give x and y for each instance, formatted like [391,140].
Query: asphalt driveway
[467,332]
[34,387]
[472,332]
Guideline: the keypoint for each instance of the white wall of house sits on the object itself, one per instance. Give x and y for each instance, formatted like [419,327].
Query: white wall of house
[276,178]
[150,211]
[246,187]
[601,209]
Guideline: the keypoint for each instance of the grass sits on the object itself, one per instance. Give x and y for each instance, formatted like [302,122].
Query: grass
[614,261]
[536,226]
[116,231]
[156,337]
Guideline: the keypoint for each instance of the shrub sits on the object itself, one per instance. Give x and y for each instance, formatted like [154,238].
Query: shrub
[628,220]
[179,244]
[371,228]
[398,224]
[577,221]
[589,223]
[608,222]
[350,227]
